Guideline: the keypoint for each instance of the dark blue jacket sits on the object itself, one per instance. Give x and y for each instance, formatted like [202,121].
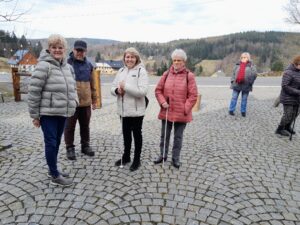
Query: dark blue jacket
[290,86]
[84,81]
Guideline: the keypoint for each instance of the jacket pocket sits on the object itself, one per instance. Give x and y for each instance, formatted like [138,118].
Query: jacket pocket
[51,100]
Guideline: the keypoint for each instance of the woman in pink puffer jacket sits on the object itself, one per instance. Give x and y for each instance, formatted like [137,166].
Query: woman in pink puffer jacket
[176,93]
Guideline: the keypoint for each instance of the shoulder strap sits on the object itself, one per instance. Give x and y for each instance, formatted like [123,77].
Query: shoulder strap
[187,82]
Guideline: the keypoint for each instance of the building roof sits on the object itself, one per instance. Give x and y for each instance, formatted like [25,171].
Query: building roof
[115,64]
[17,57]
[102,64]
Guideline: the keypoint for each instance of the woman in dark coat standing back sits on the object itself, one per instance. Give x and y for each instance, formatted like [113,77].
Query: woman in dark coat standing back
[289,97]
[243,77]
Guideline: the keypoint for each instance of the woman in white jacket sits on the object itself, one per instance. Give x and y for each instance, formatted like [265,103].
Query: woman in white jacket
[130,86]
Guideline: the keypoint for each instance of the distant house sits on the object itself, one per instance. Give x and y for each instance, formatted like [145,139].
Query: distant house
[24,60]
[105,68]
[109,66]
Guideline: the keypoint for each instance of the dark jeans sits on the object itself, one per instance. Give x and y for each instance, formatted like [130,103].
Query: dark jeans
[132,125]
[178,137]
[53,128]
[83,115]
[290,112]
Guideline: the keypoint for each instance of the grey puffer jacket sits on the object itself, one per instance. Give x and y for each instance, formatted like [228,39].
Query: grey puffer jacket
[250,76]
[290,86]
[52,88]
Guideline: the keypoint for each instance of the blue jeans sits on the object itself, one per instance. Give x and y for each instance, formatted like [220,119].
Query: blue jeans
[53,128]
[234,99]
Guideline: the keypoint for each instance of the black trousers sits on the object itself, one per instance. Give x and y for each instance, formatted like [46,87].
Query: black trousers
[290,112]
[132,125]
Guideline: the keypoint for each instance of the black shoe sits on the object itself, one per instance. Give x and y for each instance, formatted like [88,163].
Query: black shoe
[124,162]
[160,159]
[71,153]
[289,129]
[134,166]
[176,164]
[87,150]
[231,113]
[243,114]
[281,131]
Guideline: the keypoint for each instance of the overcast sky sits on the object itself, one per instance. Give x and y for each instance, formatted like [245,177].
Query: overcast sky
[148,21]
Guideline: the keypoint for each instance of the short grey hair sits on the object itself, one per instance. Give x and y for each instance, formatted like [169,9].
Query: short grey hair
[247,54]
[56,39]
[179,53]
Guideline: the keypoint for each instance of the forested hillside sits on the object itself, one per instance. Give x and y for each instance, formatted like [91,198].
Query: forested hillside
[271,51]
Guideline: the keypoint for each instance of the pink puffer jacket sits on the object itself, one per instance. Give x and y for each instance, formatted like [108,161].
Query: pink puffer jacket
[179,89]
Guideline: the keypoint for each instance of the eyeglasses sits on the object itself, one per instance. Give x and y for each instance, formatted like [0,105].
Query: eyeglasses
[80,50]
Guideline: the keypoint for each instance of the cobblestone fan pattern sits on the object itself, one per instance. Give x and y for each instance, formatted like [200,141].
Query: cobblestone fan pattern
[235,170]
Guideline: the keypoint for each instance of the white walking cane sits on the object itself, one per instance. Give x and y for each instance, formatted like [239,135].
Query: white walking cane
[121,166]
[165,138]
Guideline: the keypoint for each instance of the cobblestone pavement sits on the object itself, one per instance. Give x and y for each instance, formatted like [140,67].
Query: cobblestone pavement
[234,170]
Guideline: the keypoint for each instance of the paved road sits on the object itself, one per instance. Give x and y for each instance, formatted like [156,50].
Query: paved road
[234,170]
[211,81]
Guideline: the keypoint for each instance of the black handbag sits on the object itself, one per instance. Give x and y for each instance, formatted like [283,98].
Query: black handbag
[147,101]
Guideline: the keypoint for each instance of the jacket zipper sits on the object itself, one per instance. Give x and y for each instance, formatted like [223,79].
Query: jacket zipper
[67,89]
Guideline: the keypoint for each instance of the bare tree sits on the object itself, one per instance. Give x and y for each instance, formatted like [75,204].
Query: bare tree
[9,10]
[293,10]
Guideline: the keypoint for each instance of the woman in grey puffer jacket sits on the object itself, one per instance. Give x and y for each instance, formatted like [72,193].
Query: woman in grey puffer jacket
[52,97]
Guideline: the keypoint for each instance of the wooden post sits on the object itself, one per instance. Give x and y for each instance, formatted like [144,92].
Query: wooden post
[197,105]
[97,83]
[16,83]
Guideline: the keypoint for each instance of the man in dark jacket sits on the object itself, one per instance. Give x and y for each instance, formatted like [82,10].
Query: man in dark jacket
[87,96]
[290,97]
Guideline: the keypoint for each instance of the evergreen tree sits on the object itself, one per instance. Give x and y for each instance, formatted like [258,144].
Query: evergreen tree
[277,66]
[36,49]
[23,44]
[98,57]
[198,70]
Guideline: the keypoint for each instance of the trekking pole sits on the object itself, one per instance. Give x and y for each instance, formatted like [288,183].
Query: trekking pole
[121,166]
[294,121]
[165,138]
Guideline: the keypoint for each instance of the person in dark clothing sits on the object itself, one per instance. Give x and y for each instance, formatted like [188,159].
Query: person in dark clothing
[87,96]
[243,77]
[289,97]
